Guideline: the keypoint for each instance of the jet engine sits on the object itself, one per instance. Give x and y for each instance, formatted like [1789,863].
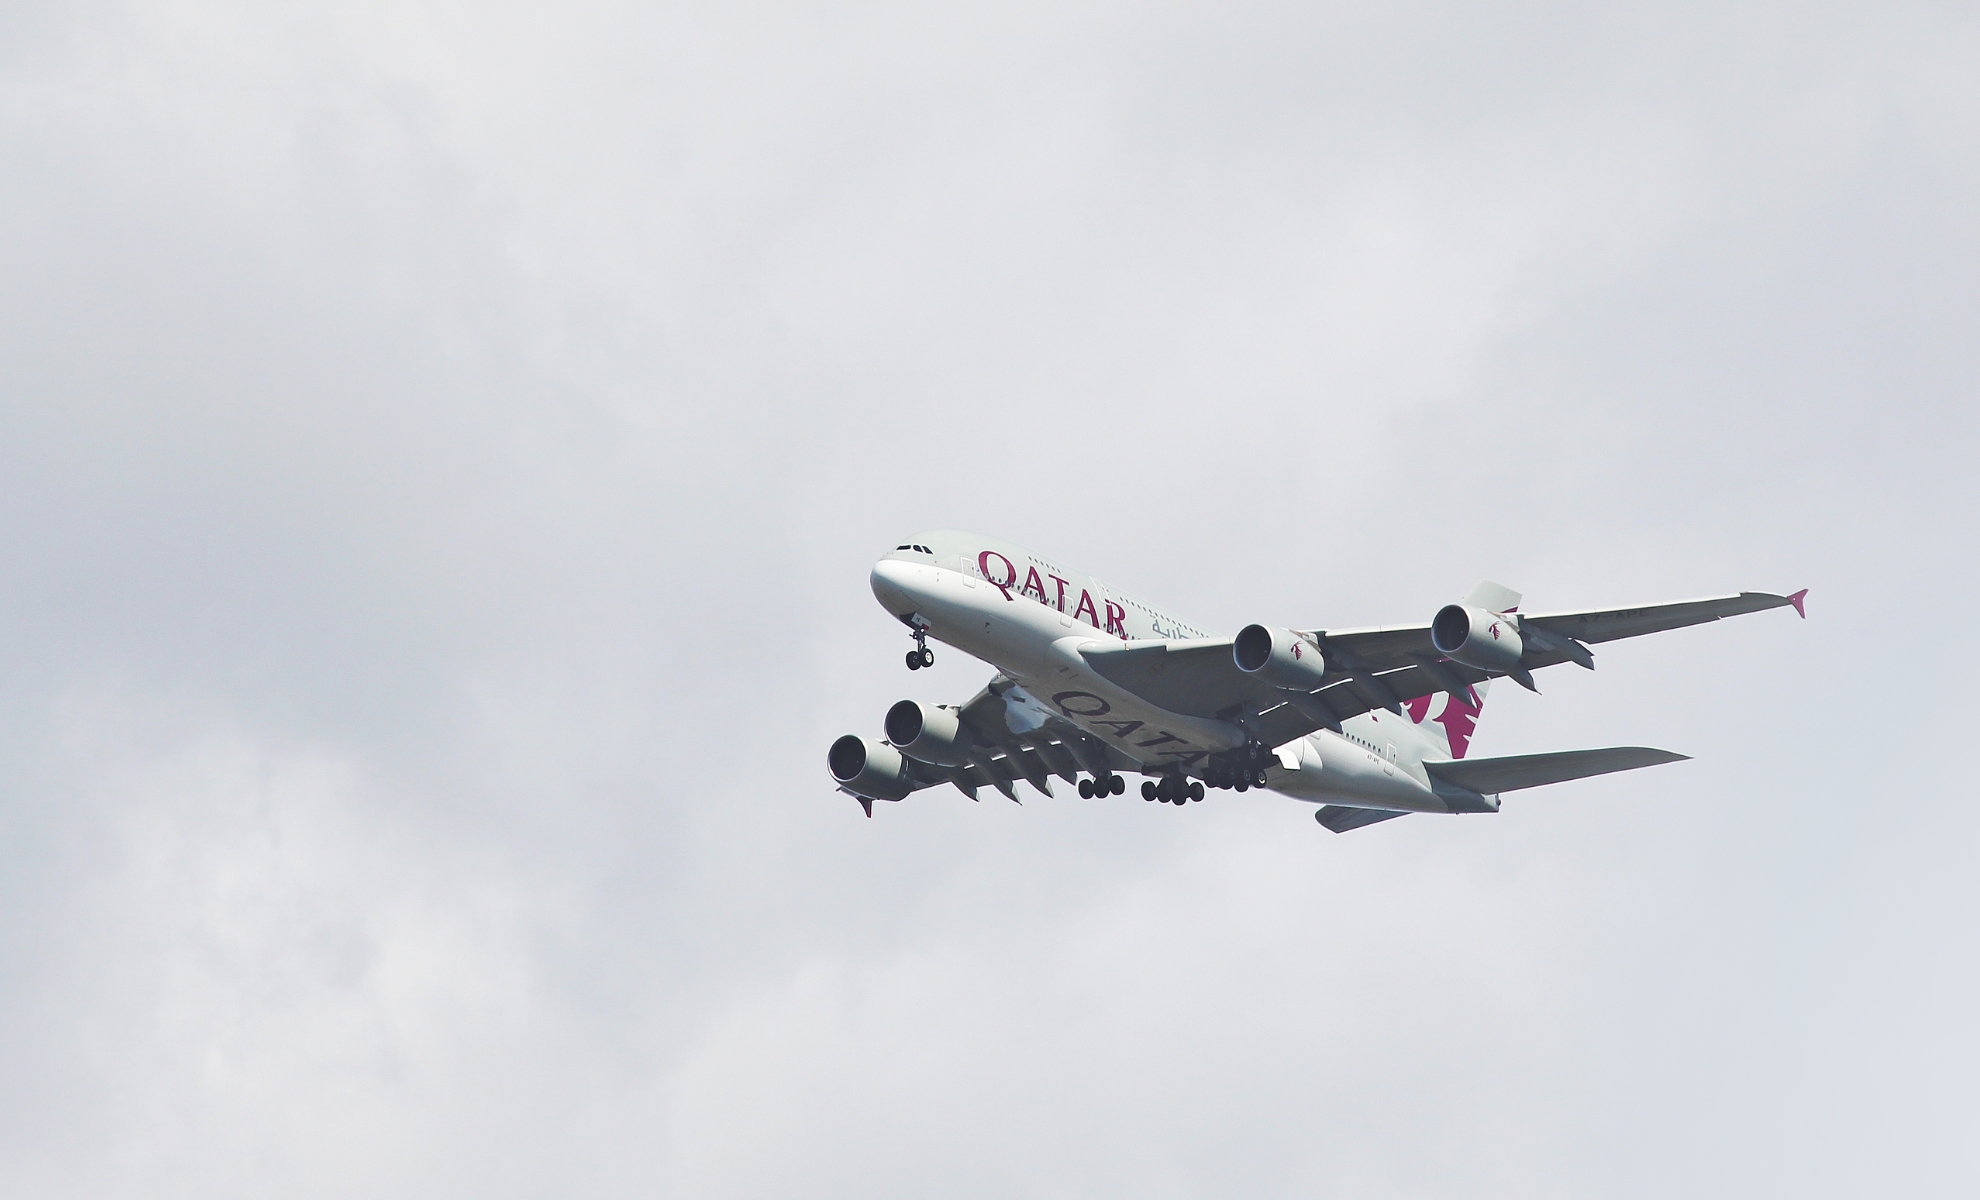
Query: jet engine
[869,769]
[1477,638]
[1279,656]
[930,733]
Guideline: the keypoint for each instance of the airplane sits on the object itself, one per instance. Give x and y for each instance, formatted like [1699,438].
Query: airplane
[1368,724]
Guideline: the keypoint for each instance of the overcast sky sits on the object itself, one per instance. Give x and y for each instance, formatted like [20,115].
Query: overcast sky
[442,447]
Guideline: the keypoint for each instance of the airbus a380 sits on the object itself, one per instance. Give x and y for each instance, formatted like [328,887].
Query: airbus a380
[1369,724]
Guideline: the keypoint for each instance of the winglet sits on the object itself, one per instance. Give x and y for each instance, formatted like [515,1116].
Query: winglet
[1799,599]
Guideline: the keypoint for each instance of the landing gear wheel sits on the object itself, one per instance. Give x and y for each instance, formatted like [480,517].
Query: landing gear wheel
[1258,780]
[927,656]
[1085,790]
[1195,791]
[914,660]
[1147,790]
[1117,785]
[1243,784]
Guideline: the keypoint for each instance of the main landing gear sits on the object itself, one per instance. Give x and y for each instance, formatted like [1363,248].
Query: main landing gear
[1172,789]
[921,656]
[1241,769]
[1112,785]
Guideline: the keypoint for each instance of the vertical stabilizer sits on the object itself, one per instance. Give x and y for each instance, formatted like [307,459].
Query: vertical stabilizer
[1447,722]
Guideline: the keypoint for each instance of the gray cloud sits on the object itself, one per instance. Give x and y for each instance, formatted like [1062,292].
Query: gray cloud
[439,460]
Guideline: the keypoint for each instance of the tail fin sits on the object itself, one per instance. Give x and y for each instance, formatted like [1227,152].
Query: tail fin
[1453,722]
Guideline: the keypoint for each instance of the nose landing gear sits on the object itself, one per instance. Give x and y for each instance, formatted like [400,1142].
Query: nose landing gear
[921,656]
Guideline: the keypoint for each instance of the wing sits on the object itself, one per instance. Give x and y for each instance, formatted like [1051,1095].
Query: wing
[1384,666]
[1610,624]
[1193,676]
[1198,677]
[1013,744]
[1551,638]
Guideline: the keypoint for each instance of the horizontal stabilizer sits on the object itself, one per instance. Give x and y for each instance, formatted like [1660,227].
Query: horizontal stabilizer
[1340,820]
[1489,776]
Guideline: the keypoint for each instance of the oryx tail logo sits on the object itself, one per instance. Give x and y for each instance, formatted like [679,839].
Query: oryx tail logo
[1458,719]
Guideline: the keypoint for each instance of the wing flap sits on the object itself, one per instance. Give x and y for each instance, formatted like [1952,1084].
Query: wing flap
[1490,776]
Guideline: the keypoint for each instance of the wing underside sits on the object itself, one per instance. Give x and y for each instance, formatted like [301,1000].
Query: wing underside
[1383,667]
[1005,752]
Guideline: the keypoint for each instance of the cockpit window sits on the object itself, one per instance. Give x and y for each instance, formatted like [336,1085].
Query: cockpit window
[904,547]
[924,549]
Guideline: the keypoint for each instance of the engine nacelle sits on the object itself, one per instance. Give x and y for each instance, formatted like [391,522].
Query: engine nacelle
[868,768]
[928,732]
[1476,638]
[1279,656]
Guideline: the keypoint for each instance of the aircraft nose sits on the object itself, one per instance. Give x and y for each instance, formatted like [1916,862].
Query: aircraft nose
[893,586]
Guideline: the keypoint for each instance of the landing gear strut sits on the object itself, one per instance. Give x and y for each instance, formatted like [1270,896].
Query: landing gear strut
[921,656]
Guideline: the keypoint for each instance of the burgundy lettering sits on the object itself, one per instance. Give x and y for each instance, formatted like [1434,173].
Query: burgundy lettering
[1010,572]
[1034,584]
[1062,592]
[1116,618]
[1086,606]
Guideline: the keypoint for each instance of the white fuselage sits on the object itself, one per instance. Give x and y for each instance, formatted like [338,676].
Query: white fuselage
[1029,618]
